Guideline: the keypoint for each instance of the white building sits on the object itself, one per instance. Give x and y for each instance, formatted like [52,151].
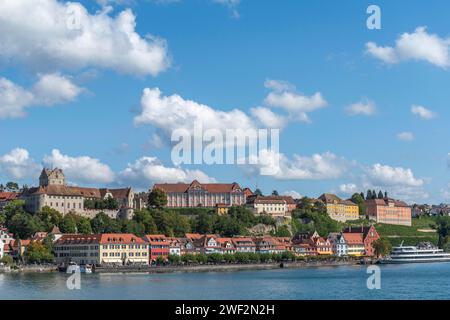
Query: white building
[2,248]
[275,206]
[339,245]
[54,193]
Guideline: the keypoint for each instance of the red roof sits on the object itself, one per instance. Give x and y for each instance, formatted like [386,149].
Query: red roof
[8,196]
[209,187]
[79,239]
[353,238]
[120,238]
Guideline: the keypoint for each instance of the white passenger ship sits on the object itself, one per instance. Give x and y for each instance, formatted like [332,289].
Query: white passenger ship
[423,252]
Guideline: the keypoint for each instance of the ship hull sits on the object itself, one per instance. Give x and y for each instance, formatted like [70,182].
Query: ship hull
[403,261]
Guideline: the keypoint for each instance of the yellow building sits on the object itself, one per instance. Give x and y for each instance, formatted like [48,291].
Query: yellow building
[102,249]
[338,209]
[123,248]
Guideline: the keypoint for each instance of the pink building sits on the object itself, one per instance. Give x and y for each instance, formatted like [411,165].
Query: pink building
[389,211]
[196,194]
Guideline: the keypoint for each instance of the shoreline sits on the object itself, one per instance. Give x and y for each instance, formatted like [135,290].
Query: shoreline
[227,267]
[193,268]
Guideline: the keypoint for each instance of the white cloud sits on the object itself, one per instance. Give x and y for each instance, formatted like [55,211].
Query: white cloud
[298,106]
[149,170]
[17,164]
[13,99]
[278,85]
[49,90]
[366,108]
[348,188]
[384,175]
[168,113]
[294,194]
[54,89]
[82,169]
[55,35]
[423,112]
[316,167]
[418,45]
[268,118]
[405,136]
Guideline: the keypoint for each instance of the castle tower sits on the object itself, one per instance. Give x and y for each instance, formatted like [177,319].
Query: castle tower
[52,177]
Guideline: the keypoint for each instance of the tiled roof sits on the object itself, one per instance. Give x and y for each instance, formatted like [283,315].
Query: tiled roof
[210,187]
[79,239]
[120,238]
[353,238]
[61,190]
[332,198]
[8,196]
[386,201]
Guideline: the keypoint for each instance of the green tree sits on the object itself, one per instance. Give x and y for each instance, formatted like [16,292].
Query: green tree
[131,226]
[50,218]
[157,199]
[37,252]
[69,224]
[174,259]
[258,192]
[145,218]
[356,198]
[443,229]
[203,223]
[283,231]
[275,193]
[382,247]
[369,195]
[83,225]
[12,186]
[380,195]
[23,225]
[101,223]
[7,260]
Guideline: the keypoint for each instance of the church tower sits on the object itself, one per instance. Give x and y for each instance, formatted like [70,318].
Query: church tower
[52,177]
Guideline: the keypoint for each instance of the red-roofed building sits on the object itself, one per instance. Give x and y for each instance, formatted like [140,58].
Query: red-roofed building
[78,248]
[123,249]
[158,245]
[244,244]
[389,211]
[365,234]
[196,194]
[6,197]
[226,245]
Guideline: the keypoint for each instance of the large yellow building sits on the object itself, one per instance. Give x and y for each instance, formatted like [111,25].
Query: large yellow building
[338,209]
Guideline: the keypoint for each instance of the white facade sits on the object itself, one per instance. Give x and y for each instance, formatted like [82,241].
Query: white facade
[175,251]
[2,246]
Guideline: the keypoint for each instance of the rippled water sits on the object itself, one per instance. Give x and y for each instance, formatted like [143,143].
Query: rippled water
[412,281]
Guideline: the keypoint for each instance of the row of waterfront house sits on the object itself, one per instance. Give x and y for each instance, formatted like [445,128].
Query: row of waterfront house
[53,192]
[129,249]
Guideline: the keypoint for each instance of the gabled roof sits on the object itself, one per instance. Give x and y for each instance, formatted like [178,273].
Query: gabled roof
[120,238]
[209,187]
[386,202]
[79,239]
[8,196]
[353,238]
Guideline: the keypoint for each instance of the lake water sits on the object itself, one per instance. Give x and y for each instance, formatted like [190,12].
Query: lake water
[411,281]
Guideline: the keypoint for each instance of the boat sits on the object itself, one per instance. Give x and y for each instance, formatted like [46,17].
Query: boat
[73,267]
[423,252]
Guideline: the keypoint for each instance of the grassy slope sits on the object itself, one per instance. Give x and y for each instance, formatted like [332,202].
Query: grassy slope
[409,235]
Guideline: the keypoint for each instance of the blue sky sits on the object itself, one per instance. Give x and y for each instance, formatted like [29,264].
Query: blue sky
[80,112]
